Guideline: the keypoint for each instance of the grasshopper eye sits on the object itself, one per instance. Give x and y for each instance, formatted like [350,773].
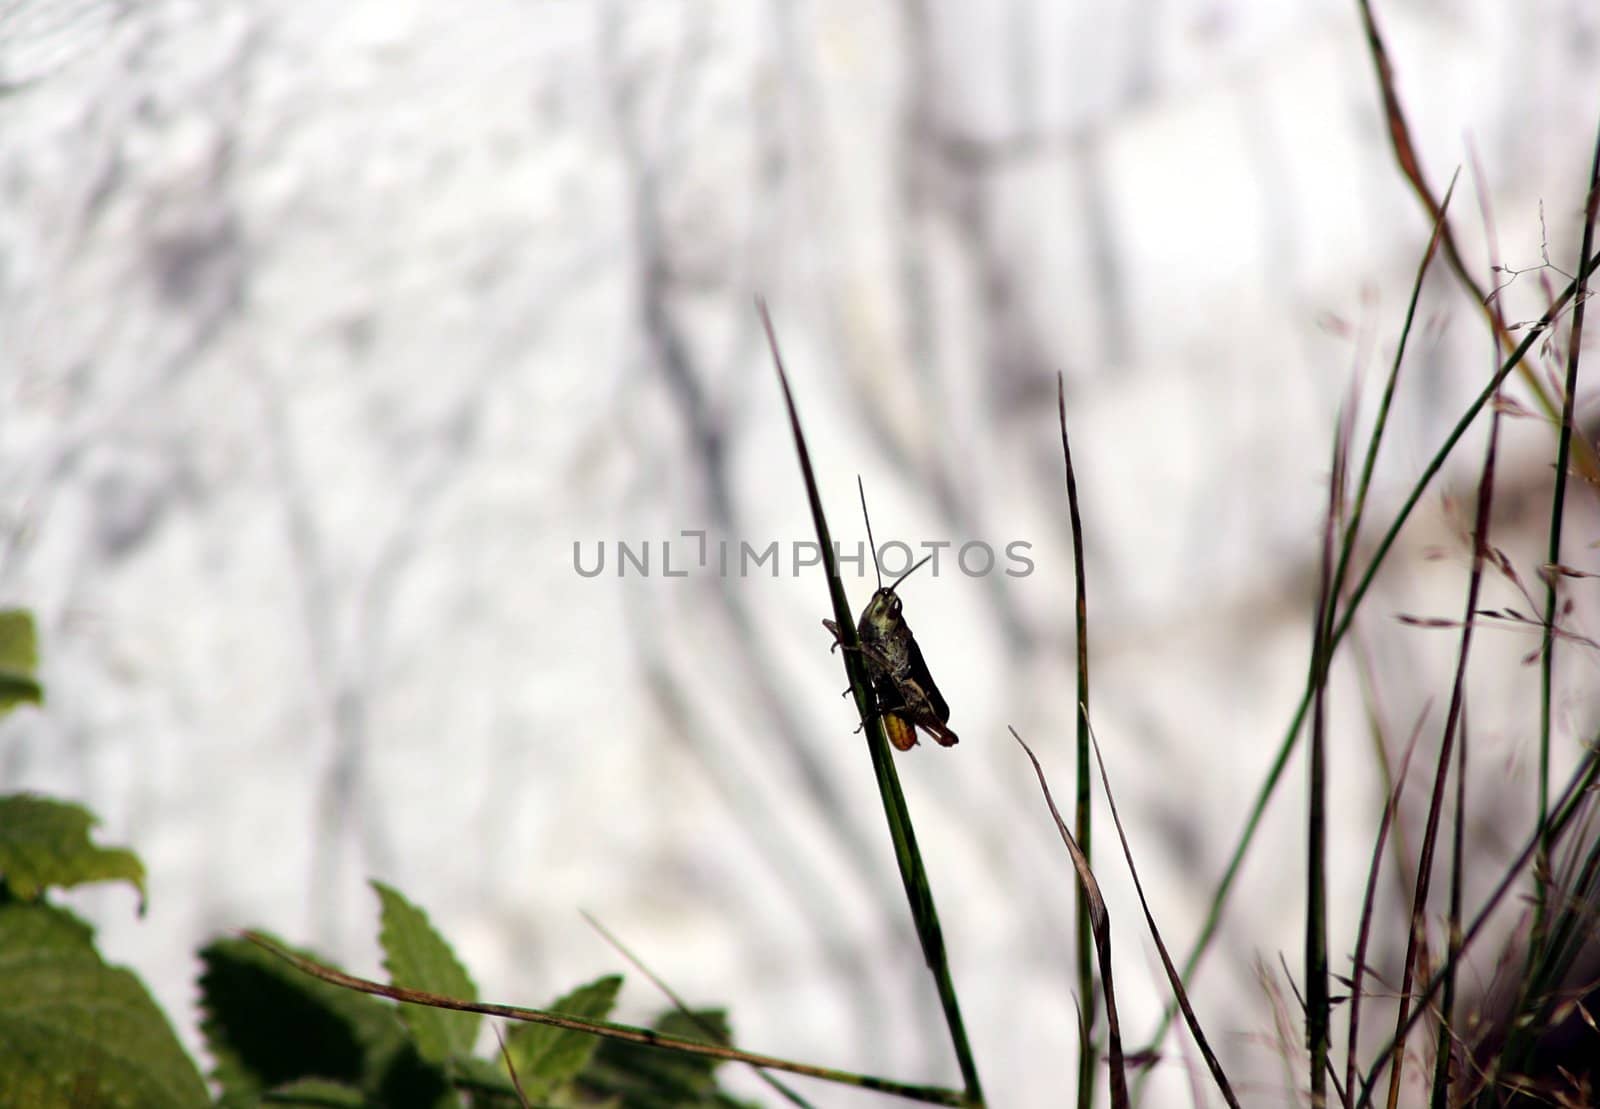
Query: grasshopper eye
[894,606]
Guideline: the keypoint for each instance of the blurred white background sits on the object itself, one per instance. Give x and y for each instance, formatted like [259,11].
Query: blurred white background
[326,332]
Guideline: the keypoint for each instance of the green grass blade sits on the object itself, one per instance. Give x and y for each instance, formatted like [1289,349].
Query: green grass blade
[913,875]
[1084,816]
[1100,920]
[1179,993]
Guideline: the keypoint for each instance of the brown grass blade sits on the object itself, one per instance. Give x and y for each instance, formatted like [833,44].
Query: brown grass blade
[1173,976]
[1364,929]
[1100,921]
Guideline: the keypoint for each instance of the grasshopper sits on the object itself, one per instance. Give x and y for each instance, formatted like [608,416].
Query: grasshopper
[906,696]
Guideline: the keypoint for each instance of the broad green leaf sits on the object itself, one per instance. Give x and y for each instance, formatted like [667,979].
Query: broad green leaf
[418,958]
[44,843]
[75,1031]
[19,660]
[546,1058]
[267,1024]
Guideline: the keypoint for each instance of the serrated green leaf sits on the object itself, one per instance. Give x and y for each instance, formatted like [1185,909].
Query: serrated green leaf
[75,1031]
[19,660]
[418,958]
[45,843]
[546,1058]
[656,1078]
[267,1024]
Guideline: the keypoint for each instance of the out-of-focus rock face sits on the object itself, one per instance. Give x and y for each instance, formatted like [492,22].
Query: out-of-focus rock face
[335,343]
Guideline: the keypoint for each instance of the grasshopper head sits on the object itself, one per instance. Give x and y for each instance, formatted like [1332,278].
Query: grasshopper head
[882,613]
[881,617]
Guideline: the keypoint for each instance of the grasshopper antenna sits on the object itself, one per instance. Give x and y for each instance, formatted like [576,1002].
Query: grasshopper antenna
[925,560]
[870,542]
